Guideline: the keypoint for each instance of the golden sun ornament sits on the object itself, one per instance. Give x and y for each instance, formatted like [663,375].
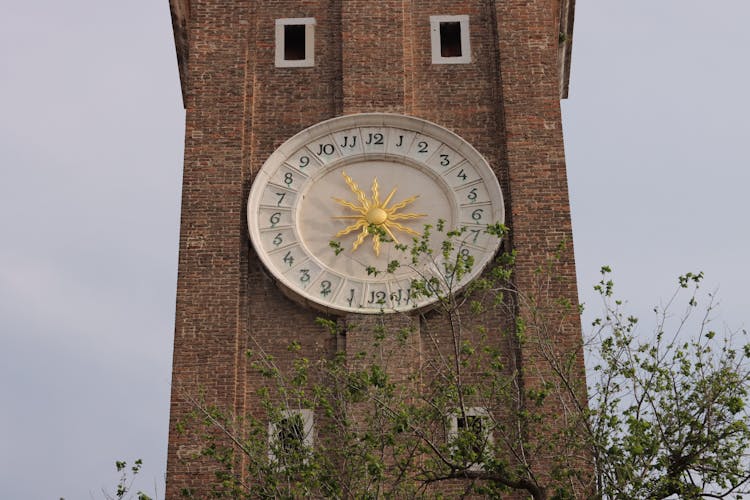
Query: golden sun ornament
[376,214]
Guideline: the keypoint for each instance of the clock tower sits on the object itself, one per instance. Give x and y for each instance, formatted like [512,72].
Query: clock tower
[319,135]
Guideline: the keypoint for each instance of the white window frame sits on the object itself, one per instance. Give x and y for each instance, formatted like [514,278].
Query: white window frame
[476,411]
[307,430]
[465,56]
[309,60]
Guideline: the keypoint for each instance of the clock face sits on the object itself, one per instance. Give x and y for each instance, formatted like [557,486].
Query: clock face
[331,208]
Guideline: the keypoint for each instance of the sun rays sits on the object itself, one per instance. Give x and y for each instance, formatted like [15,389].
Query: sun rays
[372,213]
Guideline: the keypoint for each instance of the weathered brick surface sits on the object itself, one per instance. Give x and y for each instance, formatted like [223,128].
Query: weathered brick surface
[370,56]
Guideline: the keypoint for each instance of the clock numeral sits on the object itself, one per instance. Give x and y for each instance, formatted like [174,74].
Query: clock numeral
[422,147]
[377,297]
[376,138]
[465,254]
[401,296]
[304,161]
[278,240]
[325,149]
[444,160]
[275,218]
[461,175]
[477,214]
[288,178]
[281,198]
[476,234]
[304,275]
[472,195]
[288,258]
[349,142]
[325,288]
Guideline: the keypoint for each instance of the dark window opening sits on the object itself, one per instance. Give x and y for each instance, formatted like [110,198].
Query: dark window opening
[290,434]
[450,39]
[475,425]
[294,42]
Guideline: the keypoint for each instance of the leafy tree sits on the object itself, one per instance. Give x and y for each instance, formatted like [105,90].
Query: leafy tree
[660,418]
[125,484]
[669,414]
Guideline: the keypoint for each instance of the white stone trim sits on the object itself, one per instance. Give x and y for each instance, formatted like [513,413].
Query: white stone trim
[465,56]
[309,60]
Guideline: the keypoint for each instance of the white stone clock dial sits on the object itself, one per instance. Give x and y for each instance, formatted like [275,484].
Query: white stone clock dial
[340,179]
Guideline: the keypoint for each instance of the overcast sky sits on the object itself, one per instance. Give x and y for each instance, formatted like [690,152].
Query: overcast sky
[91,124]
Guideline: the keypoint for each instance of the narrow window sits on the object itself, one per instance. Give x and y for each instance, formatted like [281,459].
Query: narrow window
[450,39]
[295,42]
[475,426]
[290,434]
[290,438]
[470,435]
